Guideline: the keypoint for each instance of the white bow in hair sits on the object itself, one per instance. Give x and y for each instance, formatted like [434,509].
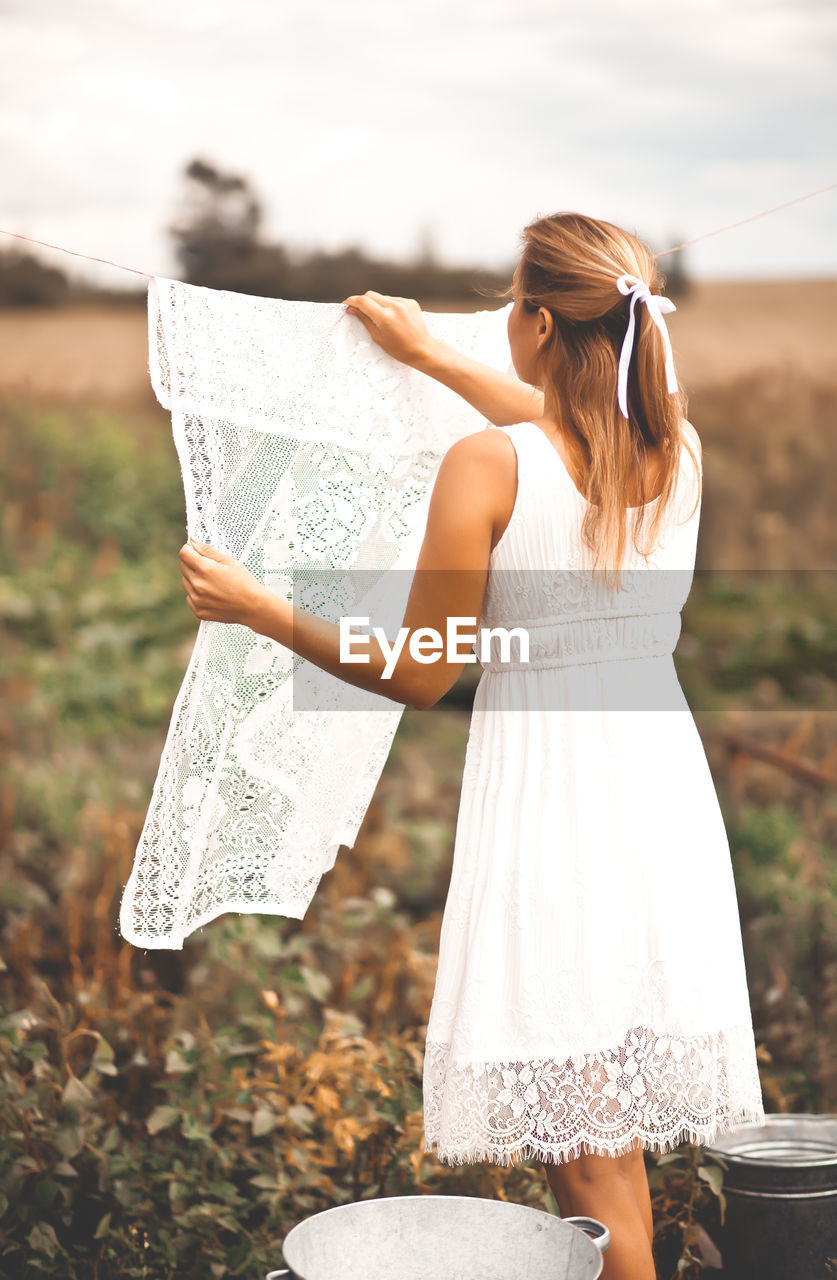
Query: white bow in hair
[656,305]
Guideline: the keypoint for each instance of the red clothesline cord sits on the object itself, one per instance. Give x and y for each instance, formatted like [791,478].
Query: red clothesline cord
[753,218]
[662,254]
[119,266]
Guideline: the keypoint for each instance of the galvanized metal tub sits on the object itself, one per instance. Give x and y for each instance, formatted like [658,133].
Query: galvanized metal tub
[781,1191]
[450,1237]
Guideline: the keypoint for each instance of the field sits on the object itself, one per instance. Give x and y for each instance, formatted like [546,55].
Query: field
[720,332]
[172,1114]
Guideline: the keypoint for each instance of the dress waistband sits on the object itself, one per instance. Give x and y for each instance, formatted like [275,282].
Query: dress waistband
[571,642]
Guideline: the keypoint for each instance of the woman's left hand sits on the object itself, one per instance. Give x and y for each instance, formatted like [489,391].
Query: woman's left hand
[218,588]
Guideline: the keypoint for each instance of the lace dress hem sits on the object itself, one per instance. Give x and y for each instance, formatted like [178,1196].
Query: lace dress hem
[588,1144]
[661,1089]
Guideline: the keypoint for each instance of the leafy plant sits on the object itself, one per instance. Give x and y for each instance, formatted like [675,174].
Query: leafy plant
[172,1114]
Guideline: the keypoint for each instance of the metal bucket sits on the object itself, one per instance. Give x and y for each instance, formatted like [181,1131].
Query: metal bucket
[450,1237]
[781,1191]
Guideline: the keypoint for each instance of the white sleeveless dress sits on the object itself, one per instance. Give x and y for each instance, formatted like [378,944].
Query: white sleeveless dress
[591,987]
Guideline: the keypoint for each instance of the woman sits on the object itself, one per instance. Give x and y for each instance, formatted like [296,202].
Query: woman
[581,1011]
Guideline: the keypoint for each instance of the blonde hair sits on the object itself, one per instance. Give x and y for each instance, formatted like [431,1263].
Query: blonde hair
[570,265]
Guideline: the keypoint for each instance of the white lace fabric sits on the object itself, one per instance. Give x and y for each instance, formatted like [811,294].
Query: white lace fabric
[301,445]
[660,1089]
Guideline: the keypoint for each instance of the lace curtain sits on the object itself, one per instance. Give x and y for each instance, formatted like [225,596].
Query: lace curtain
[302,446]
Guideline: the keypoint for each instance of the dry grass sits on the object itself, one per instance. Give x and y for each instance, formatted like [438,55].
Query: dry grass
[721,332]
[75,355]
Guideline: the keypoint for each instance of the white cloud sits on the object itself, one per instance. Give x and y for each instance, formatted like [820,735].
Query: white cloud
[371,122]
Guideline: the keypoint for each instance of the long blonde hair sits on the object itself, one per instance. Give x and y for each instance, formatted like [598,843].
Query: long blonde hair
[570,265]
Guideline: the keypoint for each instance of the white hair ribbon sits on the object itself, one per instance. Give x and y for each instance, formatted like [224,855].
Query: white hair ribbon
[656,305]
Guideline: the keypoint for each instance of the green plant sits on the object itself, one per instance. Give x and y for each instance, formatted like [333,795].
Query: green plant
[172,1114]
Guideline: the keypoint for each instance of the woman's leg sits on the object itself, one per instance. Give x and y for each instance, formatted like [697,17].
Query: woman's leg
[642,1191]
[613,1189]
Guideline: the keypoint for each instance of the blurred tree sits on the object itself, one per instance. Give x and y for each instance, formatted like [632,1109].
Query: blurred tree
[427,256]
[218,230]
[26,282]
[217,242]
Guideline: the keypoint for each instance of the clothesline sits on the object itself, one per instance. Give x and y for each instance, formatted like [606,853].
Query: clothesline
[662,254]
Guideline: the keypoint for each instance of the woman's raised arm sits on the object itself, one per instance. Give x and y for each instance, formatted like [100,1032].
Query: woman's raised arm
[470,495]
[397,325]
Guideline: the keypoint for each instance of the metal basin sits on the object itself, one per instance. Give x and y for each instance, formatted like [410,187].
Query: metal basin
[781,1191]
[445,1237]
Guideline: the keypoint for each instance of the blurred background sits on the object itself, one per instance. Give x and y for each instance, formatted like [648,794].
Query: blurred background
[175,1113]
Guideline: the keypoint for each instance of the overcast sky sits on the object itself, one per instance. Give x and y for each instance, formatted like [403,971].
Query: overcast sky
[385,122]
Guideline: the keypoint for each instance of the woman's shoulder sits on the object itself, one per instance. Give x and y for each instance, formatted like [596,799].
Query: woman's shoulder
[489,453]
[480,470]
[491,443]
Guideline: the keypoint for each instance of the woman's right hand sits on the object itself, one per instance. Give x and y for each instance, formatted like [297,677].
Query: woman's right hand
[396,324]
